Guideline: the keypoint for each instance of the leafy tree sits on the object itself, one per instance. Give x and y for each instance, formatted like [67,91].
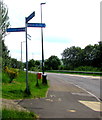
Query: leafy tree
[37,63]
[53,63]
[71,57]
[91,55]
[4,23]
[16,64]
[5,55]
[31,63]
[88,53]
[97,59]
[4,19]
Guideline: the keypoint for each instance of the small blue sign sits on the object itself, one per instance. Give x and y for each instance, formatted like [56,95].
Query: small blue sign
[30,16]
[36,25]
[16,29]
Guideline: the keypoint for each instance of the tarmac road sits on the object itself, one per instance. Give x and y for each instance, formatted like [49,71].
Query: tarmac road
[65,100]
[89,83]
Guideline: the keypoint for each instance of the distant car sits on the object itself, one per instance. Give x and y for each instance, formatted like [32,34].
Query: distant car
[24,69]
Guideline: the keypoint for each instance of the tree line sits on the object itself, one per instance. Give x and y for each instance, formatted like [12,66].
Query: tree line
[89,58]
[91,55]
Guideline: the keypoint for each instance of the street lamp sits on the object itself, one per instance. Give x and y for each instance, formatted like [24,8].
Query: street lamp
[44,81]
[42,41]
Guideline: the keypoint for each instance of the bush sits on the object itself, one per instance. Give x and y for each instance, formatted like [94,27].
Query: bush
[5,77]
[12,73]
[35,69]
[61,67]
[86,68]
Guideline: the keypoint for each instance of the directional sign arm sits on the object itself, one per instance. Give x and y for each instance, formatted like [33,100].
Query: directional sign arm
[30,16]
[16,29]
[36,25]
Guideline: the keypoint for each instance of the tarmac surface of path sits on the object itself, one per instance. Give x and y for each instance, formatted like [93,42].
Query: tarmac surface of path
[64,101]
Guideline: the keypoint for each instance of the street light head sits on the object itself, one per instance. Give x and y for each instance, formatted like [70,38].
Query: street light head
[42,3]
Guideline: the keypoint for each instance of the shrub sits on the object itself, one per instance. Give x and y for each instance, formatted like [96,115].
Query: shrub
[5,77]
[86,68]
[11,73]
[61,67]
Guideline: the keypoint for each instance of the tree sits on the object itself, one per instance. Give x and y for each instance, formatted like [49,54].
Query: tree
[88,53]
[5,55]
[97,58]
[37,63]
[31,63]
[71,57]
[53,63]
[91,55]
[4,19]
[16,64]
[4,23]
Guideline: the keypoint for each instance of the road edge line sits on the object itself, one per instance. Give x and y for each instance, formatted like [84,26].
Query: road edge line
[88,92]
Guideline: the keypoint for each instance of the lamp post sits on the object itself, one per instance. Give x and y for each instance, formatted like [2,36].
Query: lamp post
[42,41]
[44,81]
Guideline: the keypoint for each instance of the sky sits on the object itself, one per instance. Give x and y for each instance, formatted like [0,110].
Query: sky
[68,23]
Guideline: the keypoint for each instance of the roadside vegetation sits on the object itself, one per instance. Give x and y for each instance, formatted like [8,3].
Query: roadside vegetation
[76,72]
[16,88]
[77,59]
[15,114]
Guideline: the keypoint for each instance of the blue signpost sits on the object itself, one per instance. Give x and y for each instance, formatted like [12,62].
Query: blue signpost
[36,25]
[16,29]
[30,16]
[24,29]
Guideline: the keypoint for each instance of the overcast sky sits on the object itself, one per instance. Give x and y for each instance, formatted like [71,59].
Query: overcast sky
[68,23]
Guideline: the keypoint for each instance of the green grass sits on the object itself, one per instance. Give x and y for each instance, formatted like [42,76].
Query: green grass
[73,72]
[15,90]
[12,114]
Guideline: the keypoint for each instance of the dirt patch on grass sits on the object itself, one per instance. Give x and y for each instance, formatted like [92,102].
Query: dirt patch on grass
[10,104]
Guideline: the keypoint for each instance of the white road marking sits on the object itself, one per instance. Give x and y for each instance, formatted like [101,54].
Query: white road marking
[81,94]
[71,111]
[87,92]
[92,105]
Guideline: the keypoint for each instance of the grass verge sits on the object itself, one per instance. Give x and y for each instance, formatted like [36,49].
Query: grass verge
[14,114]
[15,90]
[73,72]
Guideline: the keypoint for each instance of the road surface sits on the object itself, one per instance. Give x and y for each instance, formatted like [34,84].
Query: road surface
[67,97]
[89,83]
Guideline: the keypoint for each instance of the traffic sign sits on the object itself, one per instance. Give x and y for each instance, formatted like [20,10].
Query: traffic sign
[36,25]
[16,29]
[30,16]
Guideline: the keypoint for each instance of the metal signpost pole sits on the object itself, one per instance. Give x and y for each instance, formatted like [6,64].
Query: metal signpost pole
[26,21]
[27,86]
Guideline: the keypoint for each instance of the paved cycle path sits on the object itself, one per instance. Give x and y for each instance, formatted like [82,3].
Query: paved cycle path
[64,101]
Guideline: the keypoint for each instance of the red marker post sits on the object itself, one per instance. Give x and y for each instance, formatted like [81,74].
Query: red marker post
[39,75]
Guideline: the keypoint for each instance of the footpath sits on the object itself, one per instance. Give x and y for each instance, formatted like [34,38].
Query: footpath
[64,101]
